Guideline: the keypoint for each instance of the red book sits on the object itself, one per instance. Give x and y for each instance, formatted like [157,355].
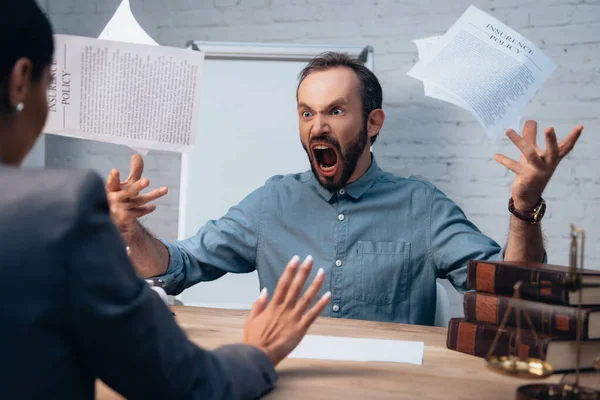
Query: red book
[500,277]
[476,338]
[550,319]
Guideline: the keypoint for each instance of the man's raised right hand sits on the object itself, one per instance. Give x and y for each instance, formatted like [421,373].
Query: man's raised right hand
[126,202]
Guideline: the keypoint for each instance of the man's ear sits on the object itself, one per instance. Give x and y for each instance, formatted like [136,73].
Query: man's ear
[19,82]
[375,122]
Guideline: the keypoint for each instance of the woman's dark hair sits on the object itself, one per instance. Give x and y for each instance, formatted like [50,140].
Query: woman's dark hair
[24,32]
[370,89]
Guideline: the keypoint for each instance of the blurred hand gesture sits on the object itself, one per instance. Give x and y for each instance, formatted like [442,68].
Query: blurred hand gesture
[126,202]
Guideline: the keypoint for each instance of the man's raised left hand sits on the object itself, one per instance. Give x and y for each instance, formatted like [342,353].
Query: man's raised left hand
[536,166]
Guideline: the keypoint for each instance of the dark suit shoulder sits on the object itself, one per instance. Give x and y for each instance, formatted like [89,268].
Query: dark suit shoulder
[49,198]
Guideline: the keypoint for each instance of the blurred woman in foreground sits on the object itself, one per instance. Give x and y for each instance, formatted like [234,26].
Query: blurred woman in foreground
[73,308]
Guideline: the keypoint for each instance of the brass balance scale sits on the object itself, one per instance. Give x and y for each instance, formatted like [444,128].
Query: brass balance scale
[531,368]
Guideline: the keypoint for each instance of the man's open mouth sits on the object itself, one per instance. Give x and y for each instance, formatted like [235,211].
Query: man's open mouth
[326,158]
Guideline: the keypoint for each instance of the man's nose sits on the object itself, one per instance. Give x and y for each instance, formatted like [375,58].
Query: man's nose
[320,126]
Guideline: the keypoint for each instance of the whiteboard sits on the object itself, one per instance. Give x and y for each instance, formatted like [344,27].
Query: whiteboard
[247,132]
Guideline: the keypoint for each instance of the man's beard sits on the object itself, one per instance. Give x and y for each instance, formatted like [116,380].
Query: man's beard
[348,158]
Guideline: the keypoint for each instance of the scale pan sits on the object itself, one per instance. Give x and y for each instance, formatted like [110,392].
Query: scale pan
[556,392]
[530,368]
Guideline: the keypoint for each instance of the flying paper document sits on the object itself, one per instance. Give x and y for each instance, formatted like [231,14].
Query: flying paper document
[491,68]
[358,349]
[123,27]
[138,95]
[426,48]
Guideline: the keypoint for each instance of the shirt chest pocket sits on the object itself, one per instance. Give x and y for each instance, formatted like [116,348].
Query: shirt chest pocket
[384,272]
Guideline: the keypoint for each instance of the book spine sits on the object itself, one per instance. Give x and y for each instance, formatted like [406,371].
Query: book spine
[553,320]
[476,339]
[500,279]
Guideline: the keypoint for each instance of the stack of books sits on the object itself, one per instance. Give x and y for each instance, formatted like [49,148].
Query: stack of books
[552,310]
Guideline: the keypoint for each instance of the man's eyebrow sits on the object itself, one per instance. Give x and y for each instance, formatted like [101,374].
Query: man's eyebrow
[336,102]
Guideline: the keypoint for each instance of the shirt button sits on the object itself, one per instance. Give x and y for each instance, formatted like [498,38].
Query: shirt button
[336,308]
[338,263]
[342,191]
[341,217]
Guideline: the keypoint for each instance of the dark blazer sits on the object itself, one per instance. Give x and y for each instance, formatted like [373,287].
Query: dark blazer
[72,308]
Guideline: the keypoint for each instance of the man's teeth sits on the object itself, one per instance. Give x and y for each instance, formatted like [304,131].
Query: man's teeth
[323,167]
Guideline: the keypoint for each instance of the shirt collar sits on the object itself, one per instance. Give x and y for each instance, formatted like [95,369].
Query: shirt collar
[355,189]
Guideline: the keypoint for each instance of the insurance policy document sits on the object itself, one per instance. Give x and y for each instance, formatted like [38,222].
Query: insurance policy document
[138,95]
[123,27]
[491,68]
[426,48]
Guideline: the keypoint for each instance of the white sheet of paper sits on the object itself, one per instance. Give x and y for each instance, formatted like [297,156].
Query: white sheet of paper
[123,27]
[359,349]
[426,48]
[493,69]
[137,95]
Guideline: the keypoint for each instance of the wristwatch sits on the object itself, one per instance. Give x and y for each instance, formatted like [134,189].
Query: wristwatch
[533,217]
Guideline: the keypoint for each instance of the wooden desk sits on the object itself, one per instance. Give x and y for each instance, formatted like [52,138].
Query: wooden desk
[444,374]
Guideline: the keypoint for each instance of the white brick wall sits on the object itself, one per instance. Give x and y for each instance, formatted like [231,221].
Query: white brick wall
[421,136]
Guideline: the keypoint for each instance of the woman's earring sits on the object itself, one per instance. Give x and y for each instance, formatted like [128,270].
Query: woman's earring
[20,107]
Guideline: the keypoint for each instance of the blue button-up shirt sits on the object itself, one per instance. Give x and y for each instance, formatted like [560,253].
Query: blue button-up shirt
[382,241]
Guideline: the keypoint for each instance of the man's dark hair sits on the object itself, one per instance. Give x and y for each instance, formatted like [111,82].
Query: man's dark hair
[370,89]
[24,32]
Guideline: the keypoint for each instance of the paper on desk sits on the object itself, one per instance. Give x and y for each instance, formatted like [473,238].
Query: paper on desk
[123,27]
[139,95]
[358,349]
[493,69]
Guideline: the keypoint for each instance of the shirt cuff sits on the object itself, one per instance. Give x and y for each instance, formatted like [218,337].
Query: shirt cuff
[175,276]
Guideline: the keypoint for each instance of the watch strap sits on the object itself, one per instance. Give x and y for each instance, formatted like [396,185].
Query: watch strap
[533,217]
